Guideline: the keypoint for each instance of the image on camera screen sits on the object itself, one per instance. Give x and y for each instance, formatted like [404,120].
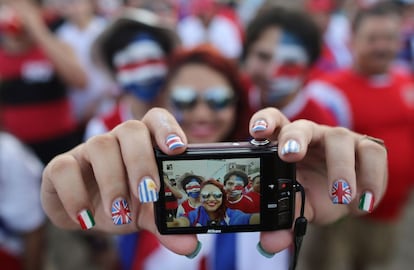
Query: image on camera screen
[212,192]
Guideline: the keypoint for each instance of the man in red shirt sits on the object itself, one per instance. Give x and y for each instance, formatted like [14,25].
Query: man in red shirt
[281,46]
[372,98]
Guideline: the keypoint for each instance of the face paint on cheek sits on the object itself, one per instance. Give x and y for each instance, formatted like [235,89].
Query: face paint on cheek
[290,65]
[10,23]
[238,187]
[141,68]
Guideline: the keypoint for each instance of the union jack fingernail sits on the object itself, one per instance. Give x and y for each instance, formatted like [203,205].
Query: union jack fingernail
[147,191]
[341,192]
[120,212]
[259,125]
[291,146]
[85,219]
[173,142]
[366,203]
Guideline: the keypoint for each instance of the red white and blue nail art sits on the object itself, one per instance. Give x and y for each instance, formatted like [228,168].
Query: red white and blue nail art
[147,191]
[259,125]
[121,214]
[173,142]
[341,192]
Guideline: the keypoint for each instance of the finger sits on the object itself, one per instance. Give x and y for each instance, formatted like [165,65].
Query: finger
[340,161]
[138,158]
[165,130]
[103,153]
[63,193]
[266,123]
[371,174]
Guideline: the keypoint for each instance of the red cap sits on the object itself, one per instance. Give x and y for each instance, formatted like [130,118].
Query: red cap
[320,5]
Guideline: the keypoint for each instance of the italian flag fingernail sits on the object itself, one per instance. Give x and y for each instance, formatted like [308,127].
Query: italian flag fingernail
[86,220]
[366,203]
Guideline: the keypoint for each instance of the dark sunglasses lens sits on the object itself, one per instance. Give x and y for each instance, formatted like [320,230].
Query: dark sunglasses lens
[183,98]
[219,98]
[216,195]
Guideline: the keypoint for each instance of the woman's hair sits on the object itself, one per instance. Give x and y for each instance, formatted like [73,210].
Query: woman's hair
[221,211]
[209,56]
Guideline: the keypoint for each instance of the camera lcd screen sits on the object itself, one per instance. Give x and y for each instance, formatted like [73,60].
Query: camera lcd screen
[212,192]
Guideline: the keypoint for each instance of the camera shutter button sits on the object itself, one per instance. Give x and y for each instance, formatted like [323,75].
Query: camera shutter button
[259,142]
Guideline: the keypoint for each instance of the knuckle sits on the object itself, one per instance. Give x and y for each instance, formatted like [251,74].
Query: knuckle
[103,141]
[59,165]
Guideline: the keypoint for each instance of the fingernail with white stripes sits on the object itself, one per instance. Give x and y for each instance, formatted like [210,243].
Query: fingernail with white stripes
[290,147]
[174,142]
[147,191]
[120,212]
[85,219]
[366,203]
[259,125]
[341,192]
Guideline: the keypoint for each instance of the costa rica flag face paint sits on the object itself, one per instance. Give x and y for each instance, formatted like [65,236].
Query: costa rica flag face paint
[290,65]
[141,67]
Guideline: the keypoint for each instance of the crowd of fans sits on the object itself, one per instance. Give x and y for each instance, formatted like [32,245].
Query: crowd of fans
[72,69]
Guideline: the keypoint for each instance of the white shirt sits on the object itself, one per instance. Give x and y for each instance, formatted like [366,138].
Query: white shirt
[20,207]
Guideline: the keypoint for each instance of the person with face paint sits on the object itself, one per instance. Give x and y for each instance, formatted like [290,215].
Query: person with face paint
[134,50]
[213,210]
[191,185]
[280,48]
[234,183]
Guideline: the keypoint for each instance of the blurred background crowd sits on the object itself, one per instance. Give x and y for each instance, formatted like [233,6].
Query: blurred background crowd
[71,69]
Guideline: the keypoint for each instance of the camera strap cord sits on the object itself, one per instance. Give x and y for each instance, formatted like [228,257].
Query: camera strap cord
[299,229]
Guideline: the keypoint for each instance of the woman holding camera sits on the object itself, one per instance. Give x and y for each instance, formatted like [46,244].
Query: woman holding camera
[84,182]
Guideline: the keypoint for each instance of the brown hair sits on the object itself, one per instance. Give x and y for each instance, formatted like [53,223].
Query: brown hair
[221,211]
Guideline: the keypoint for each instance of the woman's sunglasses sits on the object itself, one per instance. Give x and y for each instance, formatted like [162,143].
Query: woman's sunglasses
[217,98]
[216,195]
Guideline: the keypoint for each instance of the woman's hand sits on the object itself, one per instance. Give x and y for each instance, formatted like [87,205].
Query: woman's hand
[121,163]
[337,168]
[106,168]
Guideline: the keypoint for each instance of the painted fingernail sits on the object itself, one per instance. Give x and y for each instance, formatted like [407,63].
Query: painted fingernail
[147,191]
[259,125]
[263,252]
[85,219]
[174,142]
[341,192]
[120,212]
[366,203]
[291,146]
[195,252]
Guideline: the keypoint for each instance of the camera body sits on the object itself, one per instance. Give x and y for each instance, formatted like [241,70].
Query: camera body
[272,195]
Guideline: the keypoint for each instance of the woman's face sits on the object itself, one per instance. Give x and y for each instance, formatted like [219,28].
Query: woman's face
[211,197]
[203,102]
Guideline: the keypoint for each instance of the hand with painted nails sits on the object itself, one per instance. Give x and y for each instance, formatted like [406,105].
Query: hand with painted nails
[110,181]
[343,172]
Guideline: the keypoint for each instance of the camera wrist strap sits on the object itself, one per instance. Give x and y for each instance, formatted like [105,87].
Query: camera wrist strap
[299,229]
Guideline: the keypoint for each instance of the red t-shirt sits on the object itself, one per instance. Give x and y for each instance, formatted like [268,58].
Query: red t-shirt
[382,107]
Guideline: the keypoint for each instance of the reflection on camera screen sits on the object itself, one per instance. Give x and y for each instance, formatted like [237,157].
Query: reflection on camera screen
[212,192]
